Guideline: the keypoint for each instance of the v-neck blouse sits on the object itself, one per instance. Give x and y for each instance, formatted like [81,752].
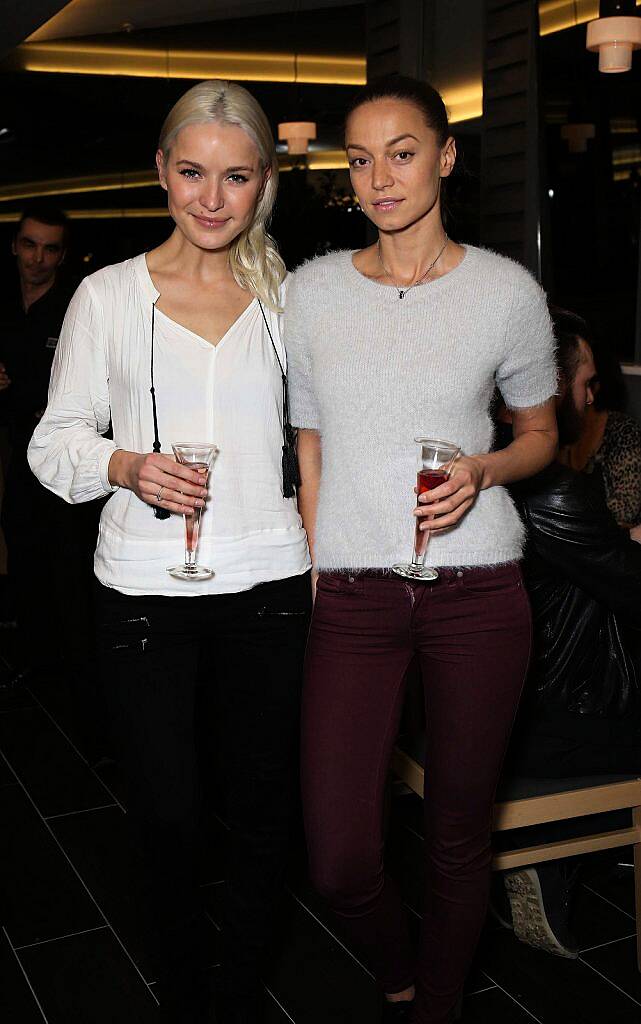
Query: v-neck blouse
[229,394]
[197,338]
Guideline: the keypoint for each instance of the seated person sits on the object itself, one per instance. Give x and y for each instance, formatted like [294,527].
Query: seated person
[610,441]
[580,712]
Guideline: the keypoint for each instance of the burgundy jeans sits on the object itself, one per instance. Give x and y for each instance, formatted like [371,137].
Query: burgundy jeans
[471,633]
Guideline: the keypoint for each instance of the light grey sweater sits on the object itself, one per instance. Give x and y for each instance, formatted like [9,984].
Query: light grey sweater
[372,372]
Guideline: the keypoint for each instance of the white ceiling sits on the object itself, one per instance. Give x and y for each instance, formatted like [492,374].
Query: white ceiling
[96,17]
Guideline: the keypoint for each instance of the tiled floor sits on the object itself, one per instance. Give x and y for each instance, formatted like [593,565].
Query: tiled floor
[70,951]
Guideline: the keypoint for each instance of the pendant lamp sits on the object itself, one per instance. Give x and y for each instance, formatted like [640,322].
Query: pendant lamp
[615,34]
[577,135]
[297,135]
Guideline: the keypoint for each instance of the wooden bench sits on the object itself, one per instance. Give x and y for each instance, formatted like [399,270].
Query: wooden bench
[556,800]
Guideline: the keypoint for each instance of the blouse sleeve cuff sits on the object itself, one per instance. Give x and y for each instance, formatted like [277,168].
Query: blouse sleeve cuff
[103,467]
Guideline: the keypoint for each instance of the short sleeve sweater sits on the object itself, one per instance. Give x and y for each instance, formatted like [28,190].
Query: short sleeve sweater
[371,373]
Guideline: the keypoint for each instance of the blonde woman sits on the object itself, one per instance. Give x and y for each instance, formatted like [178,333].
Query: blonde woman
[226,651]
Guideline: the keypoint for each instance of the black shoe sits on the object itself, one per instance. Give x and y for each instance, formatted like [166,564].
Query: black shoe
[398,1012]
[540,900]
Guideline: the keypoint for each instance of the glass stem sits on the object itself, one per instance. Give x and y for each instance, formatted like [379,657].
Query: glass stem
[421,538]
[192,526]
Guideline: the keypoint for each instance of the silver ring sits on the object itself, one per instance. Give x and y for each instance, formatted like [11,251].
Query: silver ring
[158,498]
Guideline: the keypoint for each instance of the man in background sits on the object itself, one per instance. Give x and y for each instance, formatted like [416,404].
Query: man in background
[31,316]
[49,544]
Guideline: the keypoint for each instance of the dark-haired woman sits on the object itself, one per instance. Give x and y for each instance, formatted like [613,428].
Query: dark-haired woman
[407,338]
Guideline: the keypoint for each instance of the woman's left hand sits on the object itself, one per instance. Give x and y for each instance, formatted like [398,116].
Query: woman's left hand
[443,507]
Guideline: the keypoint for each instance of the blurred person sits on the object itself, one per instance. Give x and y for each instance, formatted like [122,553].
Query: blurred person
[580,715]
[610,440]
[399,340]
[203,669]
[49,544]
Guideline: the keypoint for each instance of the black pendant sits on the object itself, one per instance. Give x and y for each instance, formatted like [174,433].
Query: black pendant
[401,295]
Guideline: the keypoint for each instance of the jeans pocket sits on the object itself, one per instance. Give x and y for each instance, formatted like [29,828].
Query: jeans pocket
[339,583]
[125,636]
[487,581]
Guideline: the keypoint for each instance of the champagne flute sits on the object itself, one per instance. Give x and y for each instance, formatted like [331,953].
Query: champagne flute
[196,455]
[435,462]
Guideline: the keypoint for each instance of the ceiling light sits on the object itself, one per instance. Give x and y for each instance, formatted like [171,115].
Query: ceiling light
[140,62]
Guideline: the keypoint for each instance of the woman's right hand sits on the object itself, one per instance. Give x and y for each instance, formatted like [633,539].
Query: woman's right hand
[159,480]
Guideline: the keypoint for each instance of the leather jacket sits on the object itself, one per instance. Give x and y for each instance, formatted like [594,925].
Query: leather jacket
[583,575]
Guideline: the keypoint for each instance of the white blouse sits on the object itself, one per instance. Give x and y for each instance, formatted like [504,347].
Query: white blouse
[229,394]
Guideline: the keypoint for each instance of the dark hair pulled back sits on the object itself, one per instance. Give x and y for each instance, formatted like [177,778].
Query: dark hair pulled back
[409,90]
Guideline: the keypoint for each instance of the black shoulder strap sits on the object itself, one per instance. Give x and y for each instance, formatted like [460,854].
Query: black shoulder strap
[156,445]
[282,370]
[291,472]
[160,513]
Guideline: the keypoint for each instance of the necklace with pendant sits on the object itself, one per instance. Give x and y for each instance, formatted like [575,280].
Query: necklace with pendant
[402,292]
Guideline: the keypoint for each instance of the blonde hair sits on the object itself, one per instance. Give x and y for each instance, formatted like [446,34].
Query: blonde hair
[253,256]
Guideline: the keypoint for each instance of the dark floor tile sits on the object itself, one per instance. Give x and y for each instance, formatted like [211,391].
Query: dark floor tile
[76,705]
[477,980]
[110,775]
[17,1002]
[212,851]
[595,921]
[42,896]
[14,698]
[495,1007]
[88,979]
[316,980]
[10,656]
[555,990]
[7,778]
[99,845]
[57,779]
[615,883]
[274,1012]
[313,977]
[618,961]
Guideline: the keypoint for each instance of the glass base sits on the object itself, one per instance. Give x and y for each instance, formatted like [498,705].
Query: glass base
[190,572]
[415,572]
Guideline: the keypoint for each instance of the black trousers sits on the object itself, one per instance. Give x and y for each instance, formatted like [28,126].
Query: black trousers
[194,683]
